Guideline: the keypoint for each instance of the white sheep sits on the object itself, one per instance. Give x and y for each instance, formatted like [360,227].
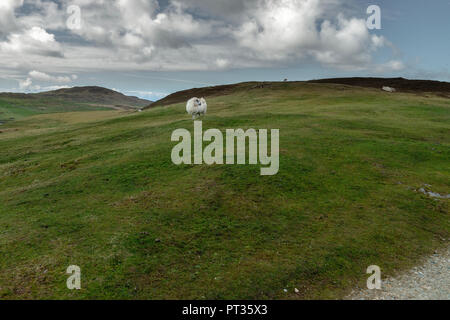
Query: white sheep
[196,107]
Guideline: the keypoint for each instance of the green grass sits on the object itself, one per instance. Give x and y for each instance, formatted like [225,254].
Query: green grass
[19,108]
[99,194]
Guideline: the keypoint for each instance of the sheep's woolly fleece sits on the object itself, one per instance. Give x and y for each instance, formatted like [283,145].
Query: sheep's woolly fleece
[196,107]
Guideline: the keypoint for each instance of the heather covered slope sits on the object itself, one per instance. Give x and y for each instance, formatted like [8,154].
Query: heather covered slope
[400,84]
[105,195]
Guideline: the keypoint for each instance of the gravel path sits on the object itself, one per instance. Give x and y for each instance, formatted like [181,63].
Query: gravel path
[431,281]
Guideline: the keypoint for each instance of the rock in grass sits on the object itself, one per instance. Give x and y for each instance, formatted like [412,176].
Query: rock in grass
[388,89]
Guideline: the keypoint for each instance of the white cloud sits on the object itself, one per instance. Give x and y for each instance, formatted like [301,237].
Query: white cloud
[392,65]
[347,45]
[33,41]
[183,35]
[42,76]
[28,84]
[51,88]
[8,20]
[25,84]
[222,63]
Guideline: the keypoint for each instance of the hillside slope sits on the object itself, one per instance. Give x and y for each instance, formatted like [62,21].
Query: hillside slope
[207,92]
[105,196]
[95,95]
[15,106]
[401,84]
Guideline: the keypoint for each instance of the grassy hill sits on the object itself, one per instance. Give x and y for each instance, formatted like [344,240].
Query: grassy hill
[15,106]
[418,87]
[185,95]
[104,195]
[95,95]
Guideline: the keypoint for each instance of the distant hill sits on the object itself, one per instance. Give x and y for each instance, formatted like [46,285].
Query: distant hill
[14,106]
[95,95]
[400,84]
[85,95]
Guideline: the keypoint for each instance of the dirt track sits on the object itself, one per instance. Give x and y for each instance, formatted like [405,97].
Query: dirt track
[430,281]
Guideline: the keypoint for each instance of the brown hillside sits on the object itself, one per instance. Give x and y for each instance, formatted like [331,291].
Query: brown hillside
[400,84]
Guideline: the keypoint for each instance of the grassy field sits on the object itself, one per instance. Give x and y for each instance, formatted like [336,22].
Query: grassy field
[103,194]
[19,108]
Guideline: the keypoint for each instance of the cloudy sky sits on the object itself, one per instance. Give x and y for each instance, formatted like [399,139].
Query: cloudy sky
[151,48]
